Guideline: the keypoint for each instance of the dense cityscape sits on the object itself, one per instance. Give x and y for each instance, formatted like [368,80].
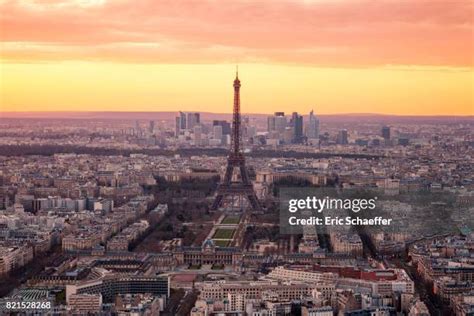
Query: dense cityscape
[116,215]
[134,181]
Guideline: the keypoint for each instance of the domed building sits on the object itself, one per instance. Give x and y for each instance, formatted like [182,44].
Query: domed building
[208,253]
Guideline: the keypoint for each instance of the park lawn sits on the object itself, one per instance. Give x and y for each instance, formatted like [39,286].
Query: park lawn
[194,267]
[229,220]
[216,266]
[224,233]
[222,243]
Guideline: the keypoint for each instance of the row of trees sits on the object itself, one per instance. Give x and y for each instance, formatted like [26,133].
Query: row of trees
[49,150]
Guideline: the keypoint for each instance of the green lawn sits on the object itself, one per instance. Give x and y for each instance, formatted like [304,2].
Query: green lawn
[224,233]
[194,267]
[229,220]
[222,243]
[216,266]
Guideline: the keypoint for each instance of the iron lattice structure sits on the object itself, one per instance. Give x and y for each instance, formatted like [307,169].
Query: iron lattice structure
[236,160]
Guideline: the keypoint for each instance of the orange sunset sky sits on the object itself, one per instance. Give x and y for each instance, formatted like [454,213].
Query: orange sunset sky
[406,57]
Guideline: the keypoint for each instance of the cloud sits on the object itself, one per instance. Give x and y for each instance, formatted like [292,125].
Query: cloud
[323,33]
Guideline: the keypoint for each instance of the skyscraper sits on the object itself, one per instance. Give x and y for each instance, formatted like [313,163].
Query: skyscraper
[277,122]
[182,117]
[280,122]
[342,137]
[296,123]
[270,124]
[386,132]
[137,128]
[225,126]
[192,120]
[312,132]
[217,133]
[151,127]
[197,135]
[177,126]
[180,123]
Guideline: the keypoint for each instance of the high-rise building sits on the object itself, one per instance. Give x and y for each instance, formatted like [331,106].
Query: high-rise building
[192,120]
[342,137]
[280,122]
[177,127]
[251,131]
[182,120]
[180,123]
[296,123]
[270,124]
[197,134]
[312,132]
[386,132]
[217,133]
[151,127]
[225,126]
[277,123]
[137,128]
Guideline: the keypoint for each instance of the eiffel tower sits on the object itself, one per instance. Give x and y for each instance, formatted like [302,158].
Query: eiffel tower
[236,160]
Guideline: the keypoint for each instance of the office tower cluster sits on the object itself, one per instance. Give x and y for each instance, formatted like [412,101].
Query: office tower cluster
[148,135]
[190,129]
[188,126]
[291,131]
[187,121]
[220,132]
[295,130]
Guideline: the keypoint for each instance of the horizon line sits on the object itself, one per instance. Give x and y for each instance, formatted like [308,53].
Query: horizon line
[22,113]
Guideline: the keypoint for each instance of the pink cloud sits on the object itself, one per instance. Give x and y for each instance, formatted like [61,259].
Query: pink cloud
[347,33]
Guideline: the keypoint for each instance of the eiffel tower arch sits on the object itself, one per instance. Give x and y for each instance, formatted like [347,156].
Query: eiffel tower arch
[230,187]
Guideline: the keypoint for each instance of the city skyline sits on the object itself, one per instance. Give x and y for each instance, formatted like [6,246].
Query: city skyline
[148,215]
[144,115]
[204,158]
[336,57]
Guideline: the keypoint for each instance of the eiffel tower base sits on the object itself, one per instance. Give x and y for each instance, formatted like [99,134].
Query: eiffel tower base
[236,190]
